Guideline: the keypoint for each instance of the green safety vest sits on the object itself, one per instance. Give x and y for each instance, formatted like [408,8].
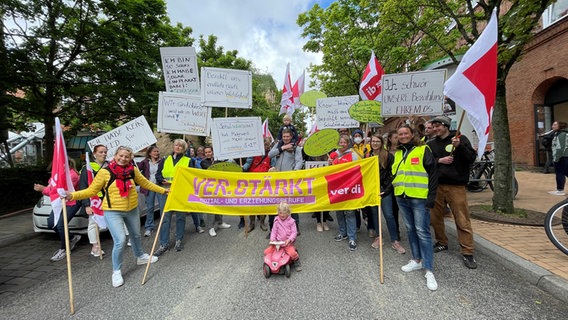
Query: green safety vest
[169,169]
[411,177]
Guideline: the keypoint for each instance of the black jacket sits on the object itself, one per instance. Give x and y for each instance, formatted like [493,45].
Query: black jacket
[464,155]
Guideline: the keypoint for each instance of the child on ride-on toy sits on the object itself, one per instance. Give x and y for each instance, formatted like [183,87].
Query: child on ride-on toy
[284,229]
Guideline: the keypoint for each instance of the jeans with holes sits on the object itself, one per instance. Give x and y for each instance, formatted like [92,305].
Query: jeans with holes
[347,223]
[417,219]
[386,208]
[116,221]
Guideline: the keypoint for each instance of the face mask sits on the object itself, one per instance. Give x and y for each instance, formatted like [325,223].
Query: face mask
[358,140]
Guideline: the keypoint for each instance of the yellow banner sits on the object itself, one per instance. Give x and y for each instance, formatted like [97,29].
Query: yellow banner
[340,187]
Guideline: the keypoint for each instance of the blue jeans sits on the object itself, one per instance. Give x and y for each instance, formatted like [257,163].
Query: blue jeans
[386,207]
[59,228]
[347,223]
[116,220]
[167,218]
[150,199]
[417,219]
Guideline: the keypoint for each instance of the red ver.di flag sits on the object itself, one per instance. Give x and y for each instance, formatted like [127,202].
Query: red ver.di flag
[287,101]
[96,202]
[371,88]
[474,84]
[60,178]
[266,131]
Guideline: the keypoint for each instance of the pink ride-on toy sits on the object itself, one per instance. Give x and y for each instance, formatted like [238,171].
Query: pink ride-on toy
[274,262]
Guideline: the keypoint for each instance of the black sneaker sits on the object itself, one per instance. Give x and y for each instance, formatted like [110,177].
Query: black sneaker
[179,245]
[161,250]
[438,247]
[297,265]
[469,261]
[352,245]
[76,238]
[339,237]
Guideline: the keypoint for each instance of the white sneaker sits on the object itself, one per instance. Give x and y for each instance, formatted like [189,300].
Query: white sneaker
[431,281]
[117,280]
[58,255]
[212,232]
[557,193]
[143,259]
[412,266]
[224,225]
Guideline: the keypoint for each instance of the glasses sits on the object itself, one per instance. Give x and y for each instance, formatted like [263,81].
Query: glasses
[125,148]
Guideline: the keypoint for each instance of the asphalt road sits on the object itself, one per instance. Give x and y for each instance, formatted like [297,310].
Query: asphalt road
[221,278]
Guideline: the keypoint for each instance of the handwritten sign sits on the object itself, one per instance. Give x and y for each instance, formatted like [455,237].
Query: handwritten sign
[180,69]
[183,114]
[413,93]
[135,134]
[334,112]
[237,137]
[226,166]
[226,88]
[315,164]
[366,111]
[321,142]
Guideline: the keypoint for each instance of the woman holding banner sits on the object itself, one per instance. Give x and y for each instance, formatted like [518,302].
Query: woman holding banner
[415,182]
[120,205]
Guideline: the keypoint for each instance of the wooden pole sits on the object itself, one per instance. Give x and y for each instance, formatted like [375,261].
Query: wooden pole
[154,245]
[458,134]
[68,254]
[98,239]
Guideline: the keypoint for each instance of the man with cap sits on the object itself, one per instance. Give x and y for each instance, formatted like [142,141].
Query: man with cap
[454,155]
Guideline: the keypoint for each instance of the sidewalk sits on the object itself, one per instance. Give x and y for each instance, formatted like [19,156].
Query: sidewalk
[524,250]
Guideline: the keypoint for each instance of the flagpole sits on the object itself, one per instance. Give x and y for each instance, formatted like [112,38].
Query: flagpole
[153,245]
[381,272]
[458,134]
[68,254]
[98,239]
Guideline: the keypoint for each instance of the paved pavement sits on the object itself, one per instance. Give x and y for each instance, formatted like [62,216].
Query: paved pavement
[524,250]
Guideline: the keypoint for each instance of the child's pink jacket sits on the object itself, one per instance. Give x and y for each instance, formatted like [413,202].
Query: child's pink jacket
[283,230]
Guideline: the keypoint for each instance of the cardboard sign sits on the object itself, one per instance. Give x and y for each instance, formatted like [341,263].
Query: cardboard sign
[413,93]
[334,112]
[135,134]
[366,111]
[321,142]
[226,166]
[237,137]
[183,114]
[315,164]
[227,88]
[180,69]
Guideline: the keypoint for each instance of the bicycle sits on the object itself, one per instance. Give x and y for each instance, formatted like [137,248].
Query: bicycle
[556,225]
[481,174]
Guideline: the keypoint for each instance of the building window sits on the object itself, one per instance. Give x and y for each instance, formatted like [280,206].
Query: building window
[555,12]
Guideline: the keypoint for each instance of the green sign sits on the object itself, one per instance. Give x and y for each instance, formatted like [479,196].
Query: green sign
[309,98]
[226,166]
[366,111]
[321,142]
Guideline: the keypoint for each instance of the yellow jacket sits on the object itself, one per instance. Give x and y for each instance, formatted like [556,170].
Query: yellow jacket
[117,202]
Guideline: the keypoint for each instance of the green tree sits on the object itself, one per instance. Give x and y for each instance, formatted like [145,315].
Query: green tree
[410,34]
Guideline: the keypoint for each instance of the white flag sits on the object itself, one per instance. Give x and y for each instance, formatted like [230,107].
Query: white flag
[287,101]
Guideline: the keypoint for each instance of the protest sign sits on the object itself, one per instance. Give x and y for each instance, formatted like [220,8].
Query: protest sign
[135,134]
[347,186]
[315,164]
[366,111]
[226,166]
[237,137]
[180,69]
[227,88]
[183,114]
[321,142]
[413,93]
[309,98]
[334,112]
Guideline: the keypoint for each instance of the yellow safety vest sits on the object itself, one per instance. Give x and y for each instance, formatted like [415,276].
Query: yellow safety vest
[169,169]
[411,177]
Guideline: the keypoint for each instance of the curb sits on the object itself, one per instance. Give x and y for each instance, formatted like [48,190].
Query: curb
[532,273]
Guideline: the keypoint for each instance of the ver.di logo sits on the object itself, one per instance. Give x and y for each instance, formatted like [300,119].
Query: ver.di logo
[345,185]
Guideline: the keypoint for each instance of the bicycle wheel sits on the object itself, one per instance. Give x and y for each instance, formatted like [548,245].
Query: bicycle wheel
[556,225]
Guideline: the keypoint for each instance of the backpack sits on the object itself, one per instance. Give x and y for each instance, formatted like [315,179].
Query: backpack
[260,164]
[110,182]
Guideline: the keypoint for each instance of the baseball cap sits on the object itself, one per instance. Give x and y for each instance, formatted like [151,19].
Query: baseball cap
[446,121]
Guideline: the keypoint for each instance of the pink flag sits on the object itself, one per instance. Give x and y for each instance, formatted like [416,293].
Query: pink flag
[297,90]
[474,84]
[287,101]
[371,88]
[60,177]
[266,131]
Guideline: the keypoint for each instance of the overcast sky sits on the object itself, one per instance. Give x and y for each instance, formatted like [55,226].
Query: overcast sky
[263,31]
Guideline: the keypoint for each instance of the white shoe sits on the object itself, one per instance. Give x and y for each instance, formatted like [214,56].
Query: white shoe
[431,281]
[58,255]
[412,266]
[143,259]
[224,225]
[212,232]
[117,280]
[557,193]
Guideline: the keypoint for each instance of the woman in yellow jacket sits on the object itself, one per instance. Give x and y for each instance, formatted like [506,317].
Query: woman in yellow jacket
[120,205]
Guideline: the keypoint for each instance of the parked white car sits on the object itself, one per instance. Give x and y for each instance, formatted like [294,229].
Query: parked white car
[80,222]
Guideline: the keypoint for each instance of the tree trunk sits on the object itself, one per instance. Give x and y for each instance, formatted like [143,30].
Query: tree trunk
[503,183]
